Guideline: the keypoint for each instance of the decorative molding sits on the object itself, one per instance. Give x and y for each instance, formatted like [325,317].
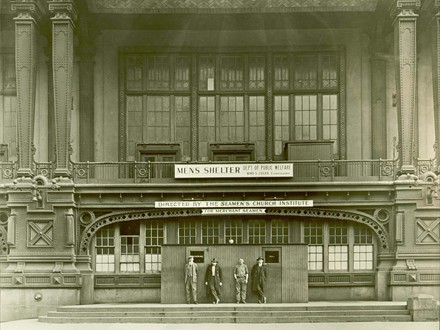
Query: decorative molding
[343,215]
[62,64]
[405,23]
[40,233]
[436,77]
[4,248]
[26,67]
[427,231]
[229,6]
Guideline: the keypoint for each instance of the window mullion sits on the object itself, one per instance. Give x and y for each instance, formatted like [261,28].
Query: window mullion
[350,248]
[142,238]
[326,236]
[117,249]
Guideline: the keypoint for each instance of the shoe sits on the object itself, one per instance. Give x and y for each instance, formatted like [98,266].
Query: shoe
[238,302]
[244,302]
[195,302]
[264,300]
[217,301]
[259,301]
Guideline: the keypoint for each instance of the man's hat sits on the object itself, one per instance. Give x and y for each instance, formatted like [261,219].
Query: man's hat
[260,258]
[214,261]
[191,257]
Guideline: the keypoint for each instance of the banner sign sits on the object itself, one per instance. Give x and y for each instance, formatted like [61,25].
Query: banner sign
[240,170]
[233,211]
[234,204]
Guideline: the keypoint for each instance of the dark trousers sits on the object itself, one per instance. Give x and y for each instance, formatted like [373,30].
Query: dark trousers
[260,291]
[212,290]
[240,289]
[191,289]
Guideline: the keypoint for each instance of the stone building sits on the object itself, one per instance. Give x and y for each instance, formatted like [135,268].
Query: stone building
[136,133]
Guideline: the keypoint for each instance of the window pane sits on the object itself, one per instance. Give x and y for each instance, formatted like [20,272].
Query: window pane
[187,232]
[282,125]
[280,231]
[281,72]
[257,231]
[210,232]
[305,117]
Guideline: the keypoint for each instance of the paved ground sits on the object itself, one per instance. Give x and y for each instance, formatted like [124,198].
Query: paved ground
[35,325]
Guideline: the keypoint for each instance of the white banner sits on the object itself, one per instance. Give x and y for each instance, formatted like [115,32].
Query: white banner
[233,211]
[240,170]
[235,204]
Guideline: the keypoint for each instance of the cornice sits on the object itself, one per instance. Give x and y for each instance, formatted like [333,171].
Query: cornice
[27,10]
[405,8]
[63,9]
[228,6]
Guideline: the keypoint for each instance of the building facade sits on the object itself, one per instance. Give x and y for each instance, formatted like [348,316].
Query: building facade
[136,133]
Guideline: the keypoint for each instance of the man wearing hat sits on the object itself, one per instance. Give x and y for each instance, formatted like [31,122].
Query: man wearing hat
[191,272]
[259,276]
[213,280]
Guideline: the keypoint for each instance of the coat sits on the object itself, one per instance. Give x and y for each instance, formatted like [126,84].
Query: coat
[218,276]
[194,274]
[258,276]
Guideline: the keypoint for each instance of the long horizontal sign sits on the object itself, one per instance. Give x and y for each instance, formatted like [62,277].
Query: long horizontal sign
[236,204]
[241,170]
[234,211]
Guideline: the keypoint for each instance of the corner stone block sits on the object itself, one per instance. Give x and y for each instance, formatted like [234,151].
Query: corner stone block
[423,307]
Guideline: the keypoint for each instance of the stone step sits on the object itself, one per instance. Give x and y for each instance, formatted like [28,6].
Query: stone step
[223,313]
[231,313]
[229,319]
[226,307]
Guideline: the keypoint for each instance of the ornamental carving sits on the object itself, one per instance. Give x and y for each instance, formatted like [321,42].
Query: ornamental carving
[354,216]
[229,6]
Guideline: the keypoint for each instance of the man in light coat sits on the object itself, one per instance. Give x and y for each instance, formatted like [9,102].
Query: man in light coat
[191,272]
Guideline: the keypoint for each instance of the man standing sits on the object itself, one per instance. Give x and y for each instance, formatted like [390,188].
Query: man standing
[213,280]
[241,275]
[259,276]
[191,272]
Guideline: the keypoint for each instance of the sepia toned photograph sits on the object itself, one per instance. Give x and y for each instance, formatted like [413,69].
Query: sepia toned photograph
[219,164]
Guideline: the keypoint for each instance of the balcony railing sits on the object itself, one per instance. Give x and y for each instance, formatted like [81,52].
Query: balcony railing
[156,172]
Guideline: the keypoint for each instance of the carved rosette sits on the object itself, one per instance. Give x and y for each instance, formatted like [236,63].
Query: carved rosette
[436,77]
[62,64]
[405,21]
[26,67]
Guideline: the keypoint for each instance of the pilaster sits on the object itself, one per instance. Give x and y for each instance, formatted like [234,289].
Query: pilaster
[378,108]
[436,77]
[405,51]
[26,67]
[62,64]
[86,102]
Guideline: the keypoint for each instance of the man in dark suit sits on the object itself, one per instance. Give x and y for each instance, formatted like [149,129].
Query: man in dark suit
[259,276]
[191,272]
[213,280]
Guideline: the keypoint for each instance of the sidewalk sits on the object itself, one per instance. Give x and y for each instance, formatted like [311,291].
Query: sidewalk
[33,324]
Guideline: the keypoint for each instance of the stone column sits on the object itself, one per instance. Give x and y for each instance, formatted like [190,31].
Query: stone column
[26,66]
[378,108]
[405,53]
[62,64]
[436,77]
[86,103]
